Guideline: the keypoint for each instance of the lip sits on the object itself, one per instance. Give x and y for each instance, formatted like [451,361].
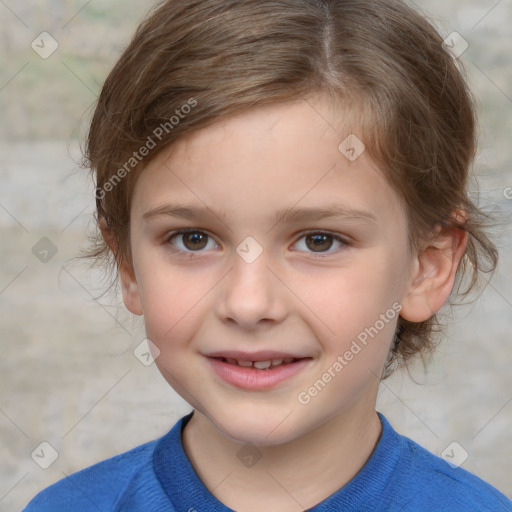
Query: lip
[250,378]
[260,355]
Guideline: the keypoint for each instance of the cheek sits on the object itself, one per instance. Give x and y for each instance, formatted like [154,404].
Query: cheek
[353,297]
[171,300]
[355,310]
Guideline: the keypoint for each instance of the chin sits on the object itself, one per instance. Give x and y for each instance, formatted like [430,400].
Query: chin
[261,428]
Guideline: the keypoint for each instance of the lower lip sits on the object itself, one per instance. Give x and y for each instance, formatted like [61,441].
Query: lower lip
[253,379]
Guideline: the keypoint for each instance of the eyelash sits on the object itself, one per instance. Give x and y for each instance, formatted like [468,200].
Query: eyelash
[344,243]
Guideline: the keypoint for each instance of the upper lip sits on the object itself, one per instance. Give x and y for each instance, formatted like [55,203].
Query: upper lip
[260,355]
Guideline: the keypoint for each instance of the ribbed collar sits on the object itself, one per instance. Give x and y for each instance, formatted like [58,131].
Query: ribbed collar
[186,491]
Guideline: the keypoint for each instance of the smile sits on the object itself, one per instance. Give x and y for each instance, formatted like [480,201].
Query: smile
[260,365]
[256,372]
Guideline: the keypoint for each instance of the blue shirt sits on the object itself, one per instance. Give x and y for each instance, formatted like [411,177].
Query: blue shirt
[157,476]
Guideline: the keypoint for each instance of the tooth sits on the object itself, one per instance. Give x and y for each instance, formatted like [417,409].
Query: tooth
[262,365]
[276,362]
[287,360]
[231,361]
[244,363]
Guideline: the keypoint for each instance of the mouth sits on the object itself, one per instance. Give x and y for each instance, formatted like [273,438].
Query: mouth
[268,364]
[256,371]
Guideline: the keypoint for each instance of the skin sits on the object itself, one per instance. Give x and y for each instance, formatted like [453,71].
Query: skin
[291,298]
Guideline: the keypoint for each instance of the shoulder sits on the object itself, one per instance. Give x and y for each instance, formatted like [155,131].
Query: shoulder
[434,484]
[97,487]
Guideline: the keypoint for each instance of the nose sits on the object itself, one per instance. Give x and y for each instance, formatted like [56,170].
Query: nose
[251,295]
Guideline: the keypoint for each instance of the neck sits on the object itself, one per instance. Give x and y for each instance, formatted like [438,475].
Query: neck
[286,477]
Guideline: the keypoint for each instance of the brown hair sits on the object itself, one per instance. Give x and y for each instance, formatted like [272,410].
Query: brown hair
[223,57]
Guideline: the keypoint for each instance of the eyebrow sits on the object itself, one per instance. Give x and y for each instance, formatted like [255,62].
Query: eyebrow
[319,213]
[284,214]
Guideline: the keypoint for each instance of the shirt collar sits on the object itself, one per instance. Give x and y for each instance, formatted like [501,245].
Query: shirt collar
[187,492]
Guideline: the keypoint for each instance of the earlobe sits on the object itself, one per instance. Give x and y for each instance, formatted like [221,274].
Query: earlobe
[433,274]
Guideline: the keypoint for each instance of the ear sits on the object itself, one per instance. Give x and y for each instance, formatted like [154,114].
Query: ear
[129,286]
[433,273]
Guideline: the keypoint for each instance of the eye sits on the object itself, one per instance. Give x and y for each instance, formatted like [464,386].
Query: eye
[319,242]
[191,240]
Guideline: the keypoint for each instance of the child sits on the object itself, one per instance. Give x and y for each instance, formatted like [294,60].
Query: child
[283,187]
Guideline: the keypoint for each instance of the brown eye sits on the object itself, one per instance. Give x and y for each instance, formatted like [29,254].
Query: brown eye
[319,243]
[195,241]
[187,241]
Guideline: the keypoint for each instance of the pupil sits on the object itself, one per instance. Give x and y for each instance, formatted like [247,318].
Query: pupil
[194,241]
[322,242]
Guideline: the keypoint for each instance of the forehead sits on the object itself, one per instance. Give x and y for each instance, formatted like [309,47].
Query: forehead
[270,158]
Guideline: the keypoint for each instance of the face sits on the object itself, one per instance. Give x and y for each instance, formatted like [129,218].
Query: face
[256,241]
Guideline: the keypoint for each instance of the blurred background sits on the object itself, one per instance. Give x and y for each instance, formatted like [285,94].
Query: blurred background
[69,377]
